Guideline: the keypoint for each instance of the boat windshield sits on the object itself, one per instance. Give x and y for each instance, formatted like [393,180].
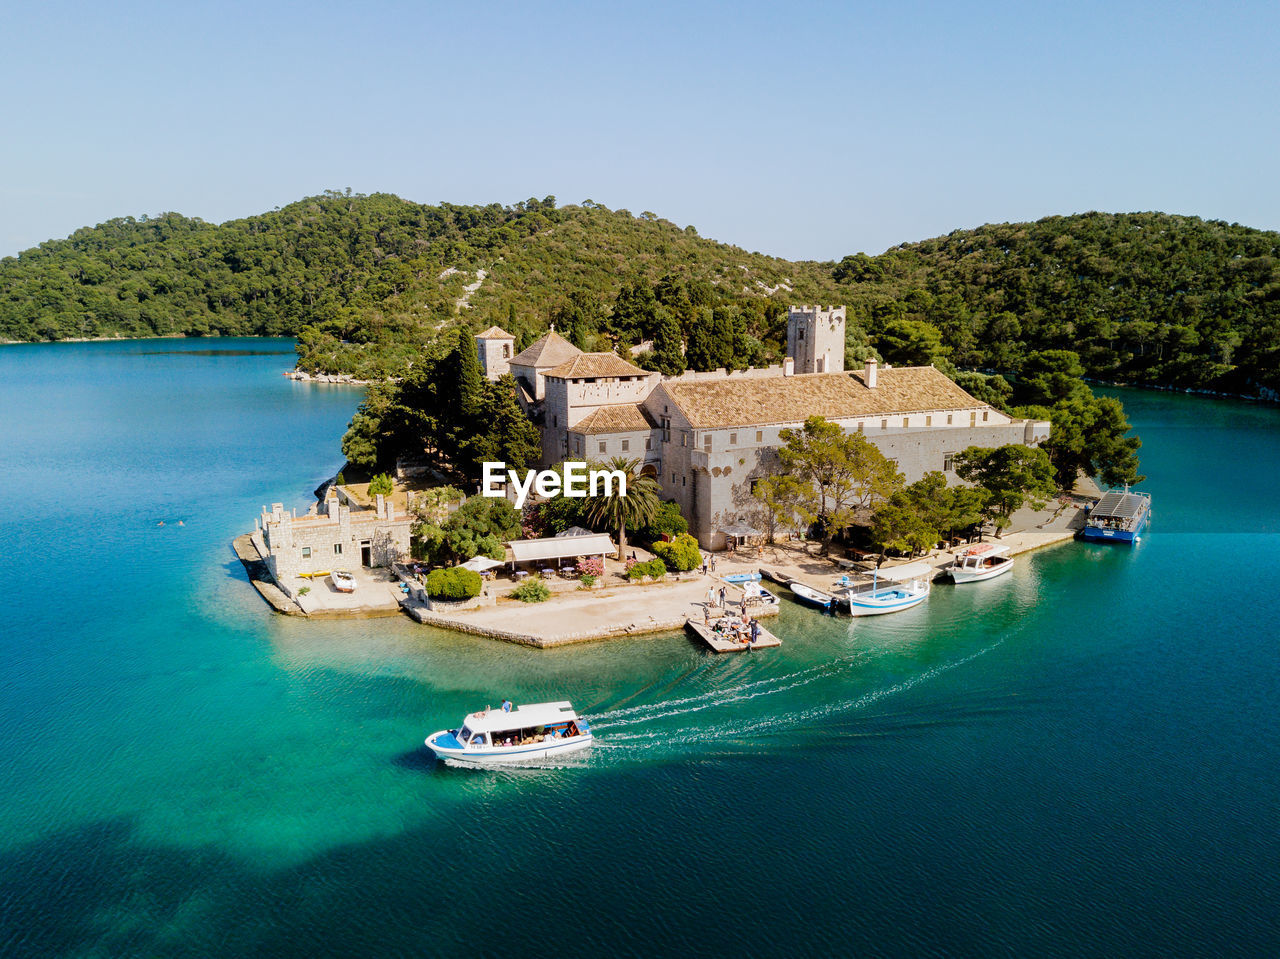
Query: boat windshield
[465,734]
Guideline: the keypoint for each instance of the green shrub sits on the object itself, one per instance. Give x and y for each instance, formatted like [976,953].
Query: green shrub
[453,584]
[667,521]
[654,567]
[682,553]
[380,484]
[304,591]
[532,590]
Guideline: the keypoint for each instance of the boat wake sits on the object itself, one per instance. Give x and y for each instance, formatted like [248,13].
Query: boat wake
[737,730]
[649,712]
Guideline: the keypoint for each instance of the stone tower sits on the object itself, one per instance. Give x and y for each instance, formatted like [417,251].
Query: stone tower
[815,338]
[495,347]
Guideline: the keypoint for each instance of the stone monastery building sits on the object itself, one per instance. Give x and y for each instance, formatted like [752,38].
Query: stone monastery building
[707,437]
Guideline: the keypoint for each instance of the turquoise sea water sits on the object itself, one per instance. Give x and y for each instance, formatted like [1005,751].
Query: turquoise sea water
[1081,759]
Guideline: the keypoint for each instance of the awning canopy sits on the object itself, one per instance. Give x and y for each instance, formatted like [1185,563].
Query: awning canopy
[897,574]
[479,564]
[740,529]
[560,547]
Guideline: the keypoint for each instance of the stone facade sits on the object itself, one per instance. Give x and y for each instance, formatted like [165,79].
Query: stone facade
[331,536]
[706,437]
[495,347]
[815,338]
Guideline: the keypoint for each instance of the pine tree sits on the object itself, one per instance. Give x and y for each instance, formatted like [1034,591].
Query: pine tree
[667,356]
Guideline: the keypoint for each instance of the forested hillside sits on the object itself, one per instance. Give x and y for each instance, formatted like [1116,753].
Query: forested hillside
[367,281]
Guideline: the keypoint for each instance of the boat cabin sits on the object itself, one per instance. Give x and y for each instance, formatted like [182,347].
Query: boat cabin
[520,726]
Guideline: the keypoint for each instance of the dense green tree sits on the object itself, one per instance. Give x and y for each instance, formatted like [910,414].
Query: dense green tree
[666,521]
[667,355]
[504,433]
[479,527]
[835,476]
[916,517]
[1012,476]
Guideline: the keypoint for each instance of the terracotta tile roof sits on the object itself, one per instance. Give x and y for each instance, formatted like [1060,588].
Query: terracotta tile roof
[495,332]
[624,418]
[762,401]
[595,364]
[552,350]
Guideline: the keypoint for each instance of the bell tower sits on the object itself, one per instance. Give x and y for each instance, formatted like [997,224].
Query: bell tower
[815,338]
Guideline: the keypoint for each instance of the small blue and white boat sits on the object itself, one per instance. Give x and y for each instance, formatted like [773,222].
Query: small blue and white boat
[909,587]
[495,736]
[814,597]
[739,578]
[1119,517]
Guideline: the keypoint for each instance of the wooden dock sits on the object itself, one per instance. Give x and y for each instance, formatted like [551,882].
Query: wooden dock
[720,644]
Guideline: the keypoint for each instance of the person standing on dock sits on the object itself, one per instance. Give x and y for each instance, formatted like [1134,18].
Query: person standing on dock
[722,595]
[755,631]
[711,596]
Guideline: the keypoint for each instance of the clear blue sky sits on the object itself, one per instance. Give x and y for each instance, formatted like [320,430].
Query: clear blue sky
[804,130]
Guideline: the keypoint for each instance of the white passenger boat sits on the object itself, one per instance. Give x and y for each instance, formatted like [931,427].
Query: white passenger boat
[519,734]
[343,581]
[979,562]
[909,586]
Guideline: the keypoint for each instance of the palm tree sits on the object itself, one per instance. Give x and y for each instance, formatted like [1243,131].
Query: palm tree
[637,507]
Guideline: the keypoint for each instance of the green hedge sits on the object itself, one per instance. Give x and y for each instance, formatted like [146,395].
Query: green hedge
[453,584]
[654,567]
[682,553]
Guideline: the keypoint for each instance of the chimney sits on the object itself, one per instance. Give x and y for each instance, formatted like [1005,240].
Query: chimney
[788,367]
[871,374]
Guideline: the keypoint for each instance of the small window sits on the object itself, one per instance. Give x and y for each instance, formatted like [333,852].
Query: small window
[948,419]
[603,444]
[648,442]
[306,552]
[626,446]
[673,479]
[860,425]
[984,416]
[759,436]
[706,443]
[733,439]
[754,484]
[906,421]
[928,421]
[684,481]
[948,462]
[973,419]
[884,424]
[554,421]
[506,351]
[684,439]
[337,549]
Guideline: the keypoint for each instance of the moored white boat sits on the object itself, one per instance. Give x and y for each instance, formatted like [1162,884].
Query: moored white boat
[909,587]
[982,561]
[523,733]
[814,597]
[343,581]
